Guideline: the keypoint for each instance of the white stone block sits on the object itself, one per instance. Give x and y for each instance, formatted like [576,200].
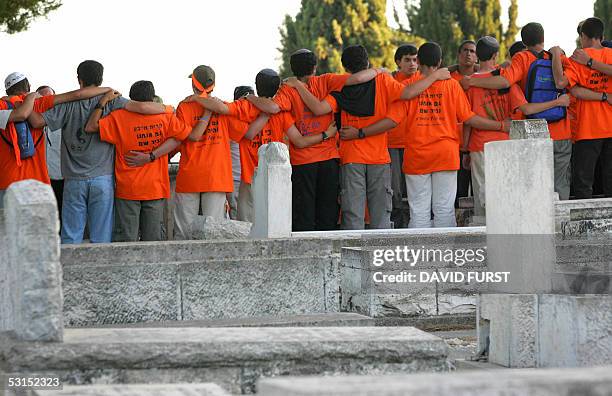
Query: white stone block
[272,193]
[32,301]
[520,214]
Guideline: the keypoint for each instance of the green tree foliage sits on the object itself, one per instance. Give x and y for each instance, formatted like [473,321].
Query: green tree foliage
[327,26]
[603,10]
[16,15]
[449,22]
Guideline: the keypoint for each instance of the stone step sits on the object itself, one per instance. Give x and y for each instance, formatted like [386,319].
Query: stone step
[592,213]
[595,228]
[338,319]
[233,358]
[137,390]
[529,382]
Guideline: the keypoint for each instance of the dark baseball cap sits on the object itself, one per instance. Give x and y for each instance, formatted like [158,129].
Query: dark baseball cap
[205,75]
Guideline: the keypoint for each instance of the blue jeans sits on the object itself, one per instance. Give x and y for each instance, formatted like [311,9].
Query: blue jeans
[88,201]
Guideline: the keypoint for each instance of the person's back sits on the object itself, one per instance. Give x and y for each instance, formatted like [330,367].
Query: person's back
[432,143]
[128,131]
[34,167]
[140,192]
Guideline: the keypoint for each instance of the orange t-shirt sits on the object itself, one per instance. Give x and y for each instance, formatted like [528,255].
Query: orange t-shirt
[243,110]
[432,143]
[594,118]
[273,131]
[371,149]
[206,165]
[396,136]
[34,167]
[136,132]
[490,104]
[306,122]
[517,73]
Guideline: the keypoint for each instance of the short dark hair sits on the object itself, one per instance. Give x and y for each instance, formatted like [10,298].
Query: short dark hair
[517,46]
[486,47]
[593,28]
[429,54]
[403,50]
[303,63]
[90,73]
[44,87]
[19,88]
[355,58]
[532,34]
[267,82]
[243,90]
[464,43]
[142,91]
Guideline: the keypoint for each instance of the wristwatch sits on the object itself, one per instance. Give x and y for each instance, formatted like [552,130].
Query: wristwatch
[590,63]
[361,134]
[324,135]
[152,156]
[604,97]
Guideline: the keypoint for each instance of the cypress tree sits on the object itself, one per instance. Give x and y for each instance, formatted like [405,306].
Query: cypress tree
[602,9]
[328,26]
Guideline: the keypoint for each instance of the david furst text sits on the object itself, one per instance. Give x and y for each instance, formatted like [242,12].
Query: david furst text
[444,277]
[411,257]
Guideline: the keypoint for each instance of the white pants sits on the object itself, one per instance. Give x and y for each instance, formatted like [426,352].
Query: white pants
[477,165]
[434,191]
[187,206]
[245,202]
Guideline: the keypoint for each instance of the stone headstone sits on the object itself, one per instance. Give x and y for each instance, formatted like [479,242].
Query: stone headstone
[210,228]
[529,129]
[32,301]
[272,193]
[520,214]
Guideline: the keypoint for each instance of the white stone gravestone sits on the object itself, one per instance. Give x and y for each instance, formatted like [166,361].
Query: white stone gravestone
[272,193]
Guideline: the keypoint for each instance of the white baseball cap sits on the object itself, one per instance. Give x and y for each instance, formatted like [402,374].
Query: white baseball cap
[13,79]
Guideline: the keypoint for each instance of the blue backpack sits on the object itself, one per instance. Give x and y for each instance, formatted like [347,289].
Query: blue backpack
[27,147]
[541,88]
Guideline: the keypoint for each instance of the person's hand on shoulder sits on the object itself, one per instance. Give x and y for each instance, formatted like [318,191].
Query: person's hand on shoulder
[580,56]
[465,82]
[442,74]
[293,82]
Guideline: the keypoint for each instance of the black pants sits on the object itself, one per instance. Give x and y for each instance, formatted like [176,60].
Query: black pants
[464,178]
[315,196]
[58,191]
[586,155]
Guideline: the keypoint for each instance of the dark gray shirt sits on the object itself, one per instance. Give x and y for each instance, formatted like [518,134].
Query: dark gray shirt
[83,155]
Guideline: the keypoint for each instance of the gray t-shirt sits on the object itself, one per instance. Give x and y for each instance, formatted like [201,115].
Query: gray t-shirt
[83,154]
[54,142]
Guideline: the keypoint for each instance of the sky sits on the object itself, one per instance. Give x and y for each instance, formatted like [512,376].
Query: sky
[152,40]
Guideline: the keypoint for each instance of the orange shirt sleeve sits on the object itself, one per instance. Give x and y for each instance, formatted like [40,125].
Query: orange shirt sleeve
[182,112]
[397,111]
[282,98]
[236,129]
[572,74]
[109,129]
[287,121]
[243,110]
[44,103]
[176,127]
[517,99]
[392,87]
[518,68]
[463,109]
[328,82]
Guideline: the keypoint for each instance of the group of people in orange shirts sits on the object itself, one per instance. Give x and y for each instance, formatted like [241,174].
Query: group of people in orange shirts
[359,142]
